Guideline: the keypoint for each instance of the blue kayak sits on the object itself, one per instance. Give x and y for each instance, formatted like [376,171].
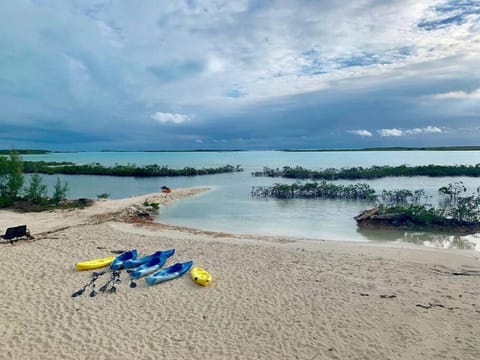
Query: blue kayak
[118,262]
[169,273]
[133,263]
[149,267]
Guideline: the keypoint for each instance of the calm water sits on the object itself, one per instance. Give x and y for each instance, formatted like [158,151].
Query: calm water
[229,207]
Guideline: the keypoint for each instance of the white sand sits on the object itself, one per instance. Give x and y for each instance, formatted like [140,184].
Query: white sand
[272,298]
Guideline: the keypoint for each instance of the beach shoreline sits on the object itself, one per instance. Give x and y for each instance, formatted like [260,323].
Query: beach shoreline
[272,297]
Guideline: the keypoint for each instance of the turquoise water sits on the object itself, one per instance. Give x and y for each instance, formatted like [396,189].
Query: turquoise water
[229,207]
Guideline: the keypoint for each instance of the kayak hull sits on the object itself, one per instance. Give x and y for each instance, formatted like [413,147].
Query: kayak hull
[133,263]
[200,276]
[119,261]
[94,264]
[149,267]
[169,273]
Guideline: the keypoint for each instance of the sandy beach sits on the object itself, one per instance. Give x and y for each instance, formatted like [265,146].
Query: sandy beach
[272,297]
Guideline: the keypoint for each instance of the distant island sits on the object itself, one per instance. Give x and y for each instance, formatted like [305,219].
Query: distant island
[25,152]
[395,148]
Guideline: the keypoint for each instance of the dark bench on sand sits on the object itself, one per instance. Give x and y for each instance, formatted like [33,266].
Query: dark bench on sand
[14,233]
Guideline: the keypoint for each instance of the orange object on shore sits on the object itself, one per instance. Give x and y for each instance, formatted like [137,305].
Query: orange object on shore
[166,189]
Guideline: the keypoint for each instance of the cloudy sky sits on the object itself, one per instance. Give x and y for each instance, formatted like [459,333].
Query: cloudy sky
[234,74]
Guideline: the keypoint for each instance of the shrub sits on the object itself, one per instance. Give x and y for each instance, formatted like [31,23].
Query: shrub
[11,178]
[154,205]
[36,192]
[59,191]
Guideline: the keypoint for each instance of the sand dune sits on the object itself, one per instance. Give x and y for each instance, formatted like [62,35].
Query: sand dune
[272,298]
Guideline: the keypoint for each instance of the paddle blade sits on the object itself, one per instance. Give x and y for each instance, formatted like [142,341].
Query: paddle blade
[78,293]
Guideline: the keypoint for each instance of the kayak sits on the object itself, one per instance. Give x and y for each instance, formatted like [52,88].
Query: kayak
[200,276]
[169,273]
[133,263]
[94,264]
[153,265]
[118,262]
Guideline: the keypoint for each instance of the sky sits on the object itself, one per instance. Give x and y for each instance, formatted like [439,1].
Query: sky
[214,74]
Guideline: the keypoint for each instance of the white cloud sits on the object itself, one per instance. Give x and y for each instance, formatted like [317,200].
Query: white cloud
[258,47]
[165,118]
[415,131]
[250,43]
[215,64]
[426,130]
[360,132]
[390,132]
[432,130]
[461,95]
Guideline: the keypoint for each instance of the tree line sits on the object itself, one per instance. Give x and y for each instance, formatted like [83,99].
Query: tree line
[374,172]
[153,170]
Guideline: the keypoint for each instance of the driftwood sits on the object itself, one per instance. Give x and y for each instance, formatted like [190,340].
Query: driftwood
[366,214]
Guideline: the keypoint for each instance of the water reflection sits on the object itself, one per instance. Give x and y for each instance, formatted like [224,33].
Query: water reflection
[430,239]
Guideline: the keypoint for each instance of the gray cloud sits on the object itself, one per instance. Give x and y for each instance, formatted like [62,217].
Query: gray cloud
[269,73]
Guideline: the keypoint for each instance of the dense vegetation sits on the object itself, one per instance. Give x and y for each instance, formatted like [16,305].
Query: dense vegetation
[327,190]
[43,167]
[456,210]
[34,195]
[322,190]
[373,172]
[457,204]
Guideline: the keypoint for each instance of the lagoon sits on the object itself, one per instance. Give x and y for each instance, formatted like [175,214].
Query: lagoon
[230,208]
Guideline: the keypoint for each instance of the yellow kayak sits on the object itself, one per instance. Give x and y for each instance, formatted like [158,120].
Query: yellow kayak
[94,264]
[200,276]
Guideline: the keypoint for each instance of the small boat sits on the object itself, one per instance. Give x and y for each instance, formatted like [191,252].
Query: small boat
[200,276]
[133,263]
[94,264]
[149,267]
[119,261]
[169,273]
[166,189]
